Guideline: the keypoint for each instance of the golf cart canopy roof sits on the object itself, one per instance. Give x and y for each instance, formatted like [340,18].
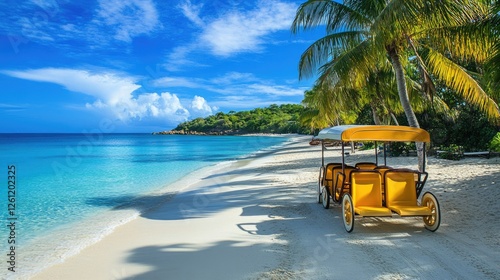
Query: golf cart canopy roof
[385,133]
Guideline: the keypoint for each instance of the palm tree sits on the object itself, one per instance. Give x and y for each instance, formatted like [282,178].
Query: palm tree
[325,108]
[340,101]
[365,33]
[362,34]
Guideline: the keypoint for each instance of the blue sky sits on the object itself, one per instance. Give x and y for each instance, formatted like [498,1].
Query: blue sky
[143,65]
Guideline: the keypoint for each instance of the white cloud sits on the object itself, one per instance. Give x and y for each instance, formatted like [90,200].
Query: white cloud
[231,32]
[277,90]
[12,108]
[35,29]
[234,78]
[232,83]
[178,59]
[200,108]
[237,89]
[128,18]
[179,82]
[108,87]
[245,102]
[113,94]
[238,32]
[192,12]
[107,21]
[46,4]
[149,105]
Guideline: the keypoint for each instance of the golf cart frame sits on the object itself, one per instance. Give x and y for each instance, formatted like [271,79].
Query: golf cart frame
[370,189]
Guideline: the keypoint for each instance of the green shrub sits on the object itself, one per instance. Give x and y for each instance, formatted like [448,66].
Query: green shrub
[397,149]
[366,146]
[495,143]
[452,152]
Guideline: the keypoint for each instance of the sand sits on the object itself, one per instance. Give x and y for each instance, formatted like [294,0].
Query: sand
[259,219]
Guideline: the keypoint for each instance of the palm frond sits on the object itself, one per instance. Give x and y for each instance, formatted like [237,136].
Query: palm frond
[370,8]
[320,52]
[457,78]
[492,65]
[419,98]
[492,71]
[469,42]
[334,15]
[409,17]
[360,59]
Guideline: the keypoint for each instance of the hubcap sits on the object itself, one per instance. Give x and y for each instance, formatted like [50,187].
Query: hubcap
[347,212]
[431,219]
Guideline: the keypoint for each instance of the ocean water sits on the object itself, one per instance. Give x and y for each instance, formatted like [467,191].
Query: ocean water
[66,191]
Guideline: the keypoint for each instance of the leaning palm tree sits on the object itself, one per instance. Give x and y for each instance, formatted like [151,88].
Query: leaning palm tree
[313,115]
[364,33]
[338,101]
[327,108]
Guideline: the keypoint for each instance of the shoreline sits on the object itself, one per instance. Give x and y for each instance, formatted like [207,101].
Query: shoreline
[223,133]
[264,209]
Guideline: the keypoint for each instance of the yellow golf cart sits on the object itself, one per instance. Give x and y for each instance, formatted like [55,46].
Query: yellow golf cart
[370,189]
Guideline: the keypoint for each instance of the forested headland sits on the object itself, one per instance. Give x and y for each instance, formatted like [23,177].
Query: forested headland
[275,119]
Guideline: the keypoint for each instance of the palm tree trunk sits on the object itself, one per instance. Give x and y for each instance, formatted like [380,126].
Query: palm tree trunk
[394,118]
[402,91]
[405,100]
[376,118]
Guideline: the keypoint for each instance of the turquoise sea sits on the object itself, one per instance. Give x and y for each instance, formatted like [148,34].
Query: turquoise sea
[72,189]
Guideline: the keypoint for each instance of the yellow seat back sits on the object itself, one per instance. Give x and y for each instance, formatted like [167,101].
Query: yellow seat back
[366,188]
[337,181]
[400,188]
[341,180]
[382,169]
[365,165]
[328,178]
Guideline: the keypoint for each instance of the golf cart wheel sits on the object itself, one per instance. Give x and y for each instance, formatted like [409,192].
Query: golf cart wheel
[320,180]
[348,212]
[325,198]
[432,221]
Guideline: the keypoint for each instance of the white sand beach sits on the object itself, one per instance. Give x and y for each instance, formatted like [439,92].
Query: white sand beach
[259,219]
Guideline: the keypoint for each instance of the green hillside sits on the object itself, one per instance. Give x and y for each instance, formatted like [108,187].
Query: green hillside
[273,119]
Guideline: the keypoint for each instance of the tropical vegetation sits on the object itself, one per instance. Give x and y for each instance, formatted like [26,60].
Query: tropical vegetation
[370,43]
[420,58]
[277,119]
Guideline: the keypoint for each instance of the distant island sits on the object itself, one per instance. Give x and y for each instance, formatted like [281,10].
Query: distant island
[275,119]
